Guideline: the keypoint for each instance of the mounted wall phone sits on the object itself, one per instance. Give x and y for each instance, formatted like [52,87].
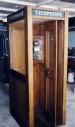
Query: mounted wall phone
[37,46]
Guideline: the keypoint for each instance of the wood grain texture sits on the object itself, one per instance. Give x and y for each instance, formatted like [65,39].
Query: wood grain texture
[65,67]
[51,66]
[17,47]
[36,84]
[38,29]
[29,62]
[55,72]
[60,58]
[38,76]
[38,68]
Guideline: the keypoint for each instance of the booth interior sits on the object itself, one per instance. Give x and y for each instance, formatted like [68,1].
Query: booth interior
[47,55]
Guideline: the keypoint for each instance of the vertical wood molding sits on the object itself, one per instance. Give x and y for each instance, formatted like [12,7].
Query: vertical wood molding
[65,67]
[55,73]
[29,58]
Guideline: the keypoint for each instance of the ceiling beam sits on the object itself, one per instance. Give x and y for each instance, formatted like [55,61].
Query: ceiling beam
[66,5]
[45,2]
[18,2]
[49,6]
[8,9]
[3,15]
[69,9]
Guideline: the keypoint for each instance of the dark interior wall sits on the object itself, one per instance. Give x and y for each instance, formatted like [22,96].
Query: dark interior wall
[72,24]
[3,52]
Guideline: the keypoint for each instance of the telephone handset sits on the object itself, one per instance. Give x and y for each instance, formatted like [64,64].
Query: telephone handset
[37,54]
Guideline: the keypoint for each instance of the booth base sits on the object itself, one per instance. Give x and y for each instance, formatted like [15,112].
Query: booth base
[43,118]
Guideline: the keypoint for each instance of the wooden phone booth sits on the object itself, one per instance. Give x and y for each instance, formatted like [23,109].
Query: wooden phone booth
[38,44]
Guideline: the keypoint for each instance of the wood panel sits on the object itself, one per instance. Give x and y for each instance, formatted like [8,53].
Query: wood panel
[38,29]
[19,100]
[39,89]
[51,68]
[50,60]
[17,47]
[36,84]
[41,85]
[60,70]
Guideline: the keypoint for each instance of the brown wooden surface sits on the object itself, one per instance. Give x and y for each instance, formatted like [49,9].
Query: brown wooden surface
[38,93]
[29,63]
[51,68]
[41,85]
[38,74]
[38,29]
[65,68]
[17,47]
[55,71]
[38,67]
[36,84]
[49,63]
[60,70]
[19,100]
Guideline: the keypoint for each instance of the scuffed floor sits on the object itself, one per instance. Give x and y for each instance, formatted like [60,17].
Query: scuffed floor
[70,114]
[6,120]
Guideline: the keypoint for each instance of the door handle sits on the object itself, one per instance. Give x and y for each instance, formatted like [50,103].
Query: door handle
[48,74]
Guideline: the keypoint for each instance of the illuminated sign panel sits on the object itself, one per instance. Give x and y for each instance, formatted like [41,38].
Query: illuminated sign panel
[48,13]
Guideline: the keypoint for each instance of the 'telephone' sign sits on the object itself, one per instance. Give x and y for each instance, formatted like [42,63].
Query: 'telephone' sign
[48,13]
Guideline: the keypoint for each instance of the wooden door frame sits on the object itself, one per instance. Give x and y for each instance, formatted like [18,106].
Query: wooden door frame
[55,66]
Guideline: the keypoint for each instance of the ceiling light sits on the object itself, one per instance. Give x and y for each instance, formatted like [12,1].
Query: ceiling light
[18,2]
[16,6]
[8,9]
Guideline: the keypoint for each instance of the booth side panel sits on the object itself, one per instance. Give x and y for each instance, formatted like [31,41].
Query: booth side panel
[18,83]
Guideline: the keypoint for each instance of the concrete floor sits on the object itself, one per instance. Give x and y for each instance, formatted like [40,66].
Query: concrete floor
[70,106]
[6,120]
